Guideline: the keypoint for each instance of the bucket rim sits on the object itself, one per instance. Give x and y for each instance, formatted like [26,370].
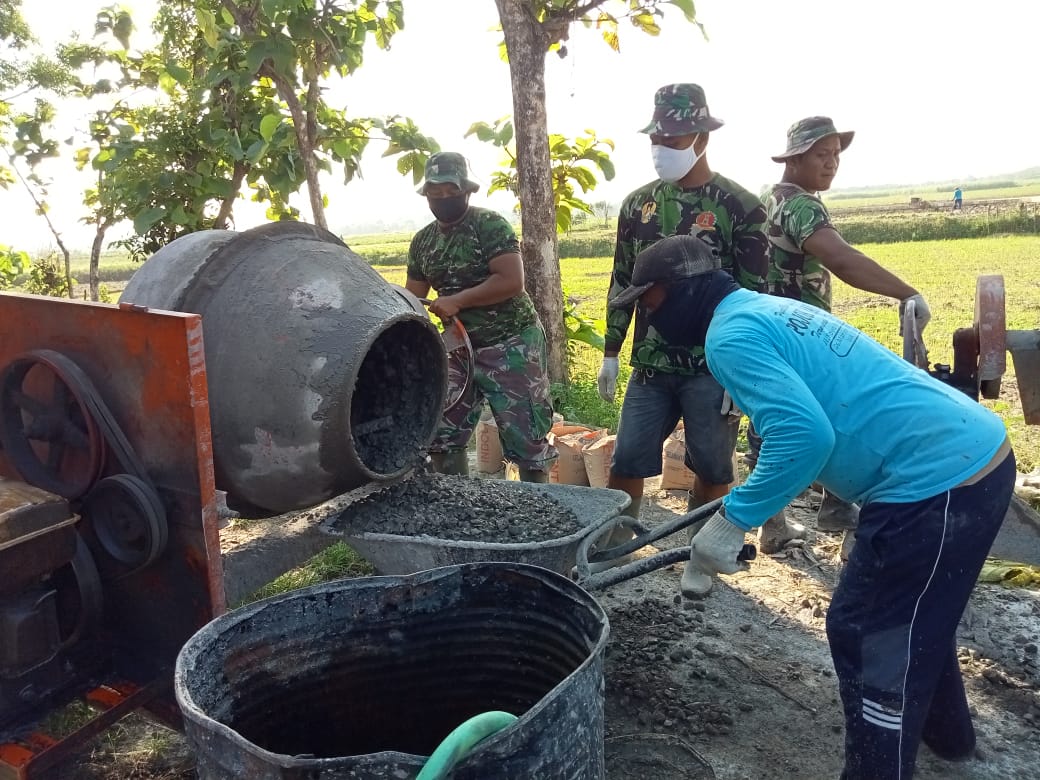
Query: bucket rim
[193,648]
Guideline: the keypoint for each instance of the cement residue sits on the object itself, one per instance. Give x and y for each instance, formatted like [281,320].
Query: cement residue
[458,508]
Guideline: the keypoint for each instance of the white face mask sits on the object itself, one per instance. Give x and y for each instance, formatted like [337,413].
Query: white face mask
[672,164]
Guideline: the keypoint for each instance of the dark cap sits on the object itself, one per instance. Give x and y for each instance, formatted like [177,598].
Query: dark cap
[448,167]
[670,259]
[681,109]
[805,132]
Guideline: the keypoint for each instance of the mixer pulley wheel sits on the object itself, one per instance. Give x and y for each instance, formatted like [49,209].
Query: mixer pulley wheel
[46,428]
[80,600]
[128,519]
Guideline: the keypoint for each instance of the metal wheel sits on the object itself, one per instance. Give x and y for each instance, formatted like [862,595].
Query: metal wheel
[128,520]
[46,429]
[79,596]
[991,326]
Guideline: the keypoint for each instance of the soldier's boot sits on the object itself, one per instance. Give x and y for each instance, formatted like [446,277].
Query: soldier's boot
[533,475]
[619,535]
[777,531]
[836,514]
[451,462]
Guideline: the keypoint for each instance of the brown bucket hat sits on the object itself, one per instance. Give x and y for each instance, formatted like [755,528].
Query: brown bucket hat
[805,132]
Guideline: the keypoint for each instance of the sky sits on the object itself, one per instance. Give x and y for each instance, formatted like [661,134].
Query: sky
[934,89]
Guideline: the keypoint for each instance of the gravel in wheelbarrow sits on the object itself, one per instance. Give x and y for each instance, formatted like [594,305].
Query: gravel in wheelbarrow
[432,520]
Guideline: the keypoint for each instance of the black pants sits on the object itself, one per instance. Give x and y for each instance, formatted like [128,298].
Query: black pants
[892,625]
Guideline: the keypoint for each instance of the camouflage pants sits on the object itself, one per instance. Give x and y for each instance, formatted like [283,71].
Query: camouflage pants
[512,377]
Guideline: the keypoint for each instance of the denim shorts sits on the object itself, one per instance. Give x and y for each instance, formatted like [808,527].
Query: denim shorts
[653,404]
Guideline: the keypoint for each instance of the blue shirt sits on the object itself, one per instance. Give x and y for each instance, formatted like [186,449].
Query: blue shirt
[833,405]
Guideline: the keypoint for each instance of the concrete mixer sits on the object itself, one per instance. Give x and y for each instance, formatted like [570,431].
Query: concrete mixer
[322,376]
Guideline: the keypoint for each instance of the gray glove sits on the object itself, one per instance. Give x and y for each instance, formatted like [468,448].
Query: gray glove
[715,548]
[728,407]
[922,314]
[607,379]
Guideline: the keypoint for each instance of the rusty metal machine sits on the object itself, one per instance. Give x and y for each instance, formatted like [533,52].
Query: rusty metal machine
[118,423]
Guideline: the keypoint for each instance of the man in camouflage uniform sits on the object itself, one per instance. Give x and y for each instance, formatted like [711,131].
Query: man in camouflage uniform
[471,257]
[805,248]
[670,381]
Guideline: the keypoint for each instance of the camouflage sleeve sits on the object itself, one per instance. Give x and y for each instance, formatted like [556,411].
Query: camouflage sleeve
[618,320]
[802,216]
[414,271]
[751,249]
[497,236]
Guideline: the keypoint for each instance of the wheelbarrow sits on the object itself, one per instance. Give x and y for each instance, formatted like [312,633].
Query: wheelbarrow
[596,508]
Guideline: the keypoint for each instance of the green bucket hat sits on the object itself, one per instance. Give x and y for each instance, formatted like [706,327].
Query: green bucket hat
[681,109]
[805,132]
[444,167]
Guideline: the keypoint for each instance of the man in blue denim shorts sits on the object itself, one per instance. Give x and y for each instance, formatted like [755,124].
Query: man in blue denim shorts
[670,381]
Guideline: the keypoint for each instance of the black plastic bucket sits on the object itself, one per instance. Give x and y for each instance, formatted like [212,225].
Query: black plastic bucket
[363,678]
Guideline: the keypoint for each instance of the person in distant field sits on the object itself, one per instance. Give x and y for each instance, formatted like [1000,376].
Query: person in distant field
[805,249]
[669,382]
[932,469]
[471,257]
[958,199]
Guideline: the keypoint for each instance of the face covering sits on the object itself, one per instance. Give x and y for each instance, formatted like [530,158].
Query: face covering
[672,164]
[683,317]
[449,210]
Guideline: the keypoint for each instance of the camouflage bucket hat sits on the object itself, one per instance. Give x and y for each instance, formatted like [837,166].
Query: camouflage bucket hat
[448,167]
[805,132]
[668,260]
[681,109]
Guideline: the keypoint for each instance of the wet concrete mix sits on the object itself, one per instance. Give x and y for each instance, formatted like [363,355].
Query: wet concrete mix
[459,508]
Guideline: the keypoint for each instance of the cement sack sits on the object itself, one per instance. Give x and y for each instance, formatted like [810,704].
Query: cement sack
[489,447]
[571,464]
[597,457]
[674,474]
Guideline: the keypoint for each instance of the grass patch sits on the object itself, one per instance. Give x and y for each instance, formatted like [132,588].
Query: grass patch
[334,563]
[944,271]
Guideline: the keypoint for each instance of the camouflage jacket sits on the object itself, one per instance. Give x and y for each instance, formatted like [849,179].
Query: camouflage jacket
[456,258]
[793,215]
[723,214]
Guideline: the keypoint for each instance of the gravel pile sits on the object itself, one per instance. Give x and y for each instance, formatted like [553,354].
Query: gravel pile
[461,509]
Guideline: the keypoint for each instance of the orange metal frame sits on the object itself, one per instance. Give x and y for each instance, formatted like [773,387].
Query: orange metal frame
[149,367]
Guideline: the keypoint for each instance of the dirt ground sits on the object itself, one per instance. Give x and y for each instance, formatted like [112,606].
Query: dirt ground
[739,686]
[745,677]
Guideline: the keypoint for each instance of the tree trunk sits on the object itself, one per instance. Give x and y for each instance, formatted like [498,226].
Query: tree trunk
[224,215]
[304,142]
[95,259]
[527,45]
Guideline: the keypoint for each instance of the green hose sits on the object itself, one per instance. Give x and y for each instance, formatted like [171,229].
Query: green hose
[461,741]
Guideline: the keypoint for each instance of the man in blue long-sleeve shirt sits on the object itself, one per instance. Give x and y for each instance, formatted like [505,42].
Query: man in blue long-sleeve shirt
[932,470]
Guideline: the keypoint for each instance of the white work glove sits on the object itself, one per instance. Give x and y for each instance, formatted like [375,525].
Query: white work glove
[608,378]
[728,407]
[922,314]
[715,548]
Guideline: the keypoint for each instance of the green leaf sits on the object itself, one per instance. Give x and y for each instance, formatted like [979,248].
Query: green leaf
[144,221]
[687,7]
[268,125]
[182,75]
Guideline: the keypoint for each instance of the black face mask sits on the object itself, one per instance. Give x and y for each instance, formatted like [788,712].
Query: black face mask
[449,210]
[683,317]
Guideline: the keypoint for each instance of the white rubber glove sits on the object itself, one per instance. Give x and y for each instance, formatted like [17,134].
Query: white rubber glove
[608,378]
[728,407]
[715,548]
[922,314]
